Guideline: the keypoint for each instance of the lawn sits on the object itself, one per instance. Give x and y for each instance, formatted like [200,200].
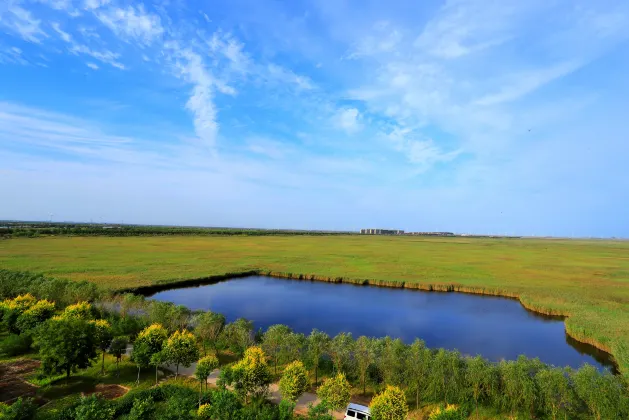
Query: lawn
[588,280]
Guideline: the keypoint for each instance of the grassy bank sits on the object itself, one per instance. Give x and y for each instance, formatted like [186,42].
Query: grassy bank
[586,280]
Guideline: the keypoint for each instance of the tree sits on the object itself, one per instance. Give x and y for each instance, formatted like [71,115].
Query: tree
[224,406]
[294,381]
[157,360]
[391,356]
[239,335]
[35,315]
[104,336]
[204,368]
[66,344]
[389,405]
[81,310]
[128,302]
[417,368]
[317,345]
[12,309]
[364,355]
[181,349]
[117,348]
[340,351]
[151,340]
[555,391]
[273,340]
[293,348]
[21,409]
[480,379]
[601,393]
[335,392]
[518,385]
[251,375]
[209,326]
[142,409]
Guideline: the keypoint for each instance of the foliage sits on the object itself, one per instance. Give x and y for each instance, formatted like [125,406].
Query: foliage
[181,349]
[81,310]
[294,381]
[204,411]
[286,409]
[15,345]
[448,412]
[319,412]
[204,368]
[104,336]
[21,409]
[555,396]
[390,355]
[251,376]
[364,355]
[66,344]
[601,393]
[318,343]
[35,315]
[389,405]
[12,309]
[149,342]
[94,407]
[142,409]
[417,368]
[273,340]
[224,405]
[340,351]
[335,392]
[118,347]
[239,335]
[208,328]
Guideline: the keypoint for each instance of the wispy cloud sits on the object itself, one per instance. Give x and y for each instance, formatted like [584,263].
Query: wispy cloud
[92,66]
[20,21]
[132,23]
[348,119]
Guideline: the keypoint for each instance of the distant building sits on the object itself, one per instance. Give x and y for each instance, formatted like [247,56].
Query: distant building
[381,232]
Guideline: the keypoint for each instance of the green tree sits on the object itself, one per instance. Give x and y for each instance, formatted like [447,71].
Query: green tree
[335,392]
[273,340]
[225,406]
[364,355]
[391,357]
[417,368]
[94,407]
[157,360]
[204,368]
[294,381]
[150,341]
[251,376]
[293,349]
[389,405]
[208,327]
[239,335]
[21,409]
[318,343]
[319,412]
[128,302]
[104,335]
[480,379]
[117,348]
[340,351]
[518,383]
[555,392]
[13,308]
[81,310]
[602,393]
[181,349]
[66,344]
[35,315]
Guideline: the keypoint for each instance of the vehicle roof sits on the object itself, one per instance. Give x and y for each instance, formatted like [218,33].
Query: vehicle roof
[359,407]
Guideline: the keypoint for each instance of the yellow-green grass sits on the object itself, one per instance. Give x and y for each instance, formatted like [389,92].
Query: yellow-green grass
[586,280]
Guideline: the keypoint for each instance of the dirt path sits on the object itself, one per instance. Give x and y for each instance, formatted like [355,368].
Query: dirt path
[12,383]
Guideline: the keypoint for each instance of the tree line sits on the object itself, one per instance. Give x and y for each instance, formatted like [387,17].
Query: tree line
[56,318]
[35,229]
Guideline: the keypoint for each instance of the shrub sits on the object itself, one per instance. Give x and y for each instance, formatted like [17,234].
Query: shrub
[94,407]
[389,405]
[204,411]
[142,408]
[294,381]
[449,412]
[15,345]
[335,392]
[81,310]
[22,409]
[35,315]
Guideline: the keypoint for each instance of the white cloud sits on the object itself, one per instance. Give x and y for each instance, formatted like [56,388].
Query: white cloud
[12,55]
[64,35]
[92,66]
[348,119]
[266,147]
[422,152]
[21,22]
[132,23]
[104,56]
[281,74]
[95,4]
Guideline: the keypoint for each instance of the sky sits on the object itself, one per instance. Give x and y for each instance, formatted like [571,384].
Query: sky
[470,116]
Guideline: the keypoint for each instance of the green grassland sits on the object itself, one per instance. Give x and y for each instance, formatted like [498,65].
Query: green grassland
[586,280]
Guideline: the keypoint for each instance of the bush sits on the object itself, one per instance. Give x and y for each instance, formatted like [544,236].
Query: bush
[15,345]
[22,409]
[94,407]
[449,412]
[142,409]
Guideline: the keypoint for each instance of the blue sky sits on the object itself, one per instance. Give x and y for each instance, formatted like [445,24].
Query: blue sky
[469,115]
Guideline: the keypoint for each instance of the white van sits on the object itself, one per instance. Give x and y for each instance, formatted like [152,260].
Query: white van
[357,411]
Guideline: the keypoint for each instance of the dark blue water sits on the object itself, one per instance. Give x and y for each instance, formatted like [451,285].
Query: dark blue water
[496,328]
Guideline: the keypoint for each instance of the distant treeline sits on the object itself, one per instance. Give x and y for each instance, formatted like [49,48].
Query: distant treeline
[34,229]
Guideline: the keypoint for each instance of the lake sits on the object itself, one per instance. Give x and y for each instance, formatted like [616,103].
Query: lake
[494,327]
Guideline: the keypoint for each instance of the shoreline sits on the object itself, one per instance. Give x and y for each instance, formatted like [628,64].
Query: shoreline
[428,287]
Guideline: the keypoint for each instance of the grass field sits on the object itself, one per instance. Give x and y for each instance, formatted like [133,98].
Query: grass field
[586,280]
